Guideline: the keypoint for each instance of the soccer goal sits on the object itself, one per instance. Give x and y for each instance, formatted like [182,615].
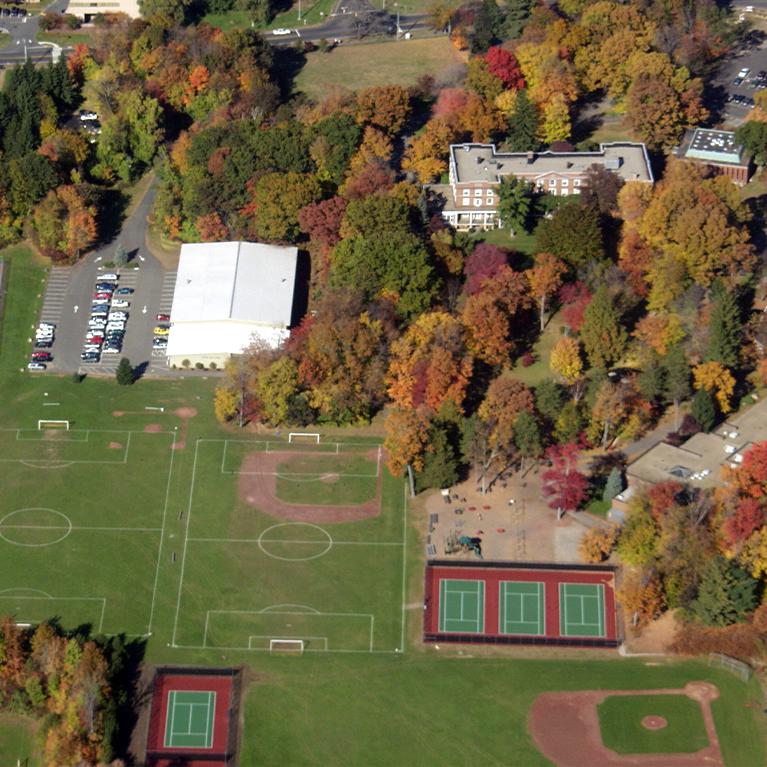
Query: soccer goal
[43,424]
[300,436]
[287,645]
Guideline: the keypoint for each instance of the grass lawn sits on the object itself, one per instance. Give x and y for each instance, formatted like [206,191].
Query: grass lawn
[445,710]
[599,508]
[4,39]
[620,720]
[361,65]
[65,38]
[17,741]
[189,552]
[311,13]
[523,243]
[540,370]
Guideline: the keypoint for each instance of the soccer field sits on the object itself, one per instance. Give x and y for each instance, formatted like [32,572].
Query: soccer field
[81,526]
[292,541]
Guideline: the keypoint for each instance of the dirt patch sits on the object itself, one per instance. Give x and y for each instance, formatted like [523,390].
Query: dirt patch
[115,446]
[565,729]
[118,413]
[654,723]
[179,444]
[185,412]
[330,479]
[152,428]
[257,486]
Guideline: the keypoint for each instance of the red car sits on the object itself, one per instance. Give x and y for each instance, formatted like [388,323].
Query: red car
[163,318]
[94,339]
[102,294]
[42,356]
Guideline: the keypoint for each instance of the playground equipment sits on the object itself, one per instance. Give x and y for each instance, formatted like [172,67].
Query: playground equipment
[471,544]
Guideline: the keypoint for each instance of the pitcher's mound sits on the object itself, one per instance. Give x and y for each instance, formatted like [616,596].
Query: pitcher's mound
[654,723]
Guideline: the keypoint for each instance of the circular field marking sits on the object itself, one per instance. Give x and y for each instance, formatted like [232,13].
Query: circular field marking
[46,464]
[654,723]
[37,528]
[302,536]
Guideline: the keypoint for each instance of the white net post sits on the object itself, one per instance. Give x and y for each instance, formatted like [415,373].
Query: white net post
[287,645]
[43,424]
[304,435]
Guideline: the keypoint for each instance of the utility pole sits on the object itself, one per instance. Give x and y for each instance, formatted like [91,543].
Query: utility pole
[299,10]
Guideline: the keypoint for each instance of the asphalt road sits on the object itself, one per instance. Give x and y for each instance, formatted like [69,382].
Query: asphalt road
[23,32]
[153,289]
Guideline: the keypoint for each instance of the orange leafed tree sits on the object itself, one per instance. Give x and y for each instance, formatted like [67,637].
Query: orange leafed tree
[406,439]
[545,277]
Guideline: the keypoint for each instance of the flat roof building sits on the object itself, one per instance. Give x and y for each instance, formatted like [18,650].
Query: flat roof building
[476,170]
[87,9]
[716,149]
[229,295]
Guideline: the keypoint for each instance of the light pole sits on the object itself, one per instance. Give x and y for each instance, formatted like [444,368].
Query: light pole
[299,10]
[399,31]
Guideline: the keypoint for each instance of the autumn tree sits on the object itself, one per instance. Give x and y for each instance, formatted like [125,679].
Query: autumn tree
[604,338]
[483,263]
[752,136]
[566,361]
[596,544]
[430,365]
[609,409]
[563,485]
[502,63]
[641,596]
[527,437]
[717,381]
[545,277]
[277,199]
[65,223]
[407,436]
[385,107]
[638,537]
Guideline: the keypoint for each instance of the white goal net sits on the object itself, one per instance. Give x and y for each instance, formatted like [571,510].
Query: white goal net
[43,424]
[287,645]
[304,436]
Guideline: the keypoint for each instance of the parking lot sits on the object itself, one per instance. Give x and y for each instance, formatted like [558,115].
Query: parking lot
[67,305]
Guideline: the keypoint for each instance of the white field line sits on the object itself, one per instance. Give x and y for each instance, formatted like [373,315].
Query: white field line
[162,534]
[404,569]
[85,529]
[186,542]
[62,599]
[266,649]
[291,540]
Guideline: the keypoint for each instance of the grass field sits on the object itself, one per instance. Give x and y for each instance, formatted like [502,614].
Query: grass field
[312,12]
[362,65]
[423,706]
[18,741]
[620,720]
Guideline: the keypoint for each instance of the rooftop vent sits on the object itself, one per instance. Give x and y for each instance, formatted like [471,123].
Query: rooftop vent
[530,157]
[613,163]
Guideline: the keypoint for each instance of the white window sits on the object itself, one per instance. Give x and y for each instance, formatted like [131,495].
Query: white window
[539,183]
[576,191]
[552,183]
[565,182]
[478,193]
[466,192]
[576,182]
[466,201]
[477,203]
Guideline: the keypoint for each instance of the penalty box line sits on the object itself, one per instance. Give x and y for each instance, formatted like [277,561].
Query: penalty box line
[36,597]
[208,613]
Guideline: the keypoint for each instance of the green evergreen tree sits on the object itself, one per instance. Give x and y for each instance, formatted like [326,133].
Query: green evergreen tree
[723,327]
[515,199]
[651,380]
[517,14]
[704,410]
[604,338]
[614,484]
[124,372]
[573,233]
[527,436]
[440,462]
[549,398]
[487,20]
[726,594]
[121,255]
[676,379]
[523,126]
[569,423]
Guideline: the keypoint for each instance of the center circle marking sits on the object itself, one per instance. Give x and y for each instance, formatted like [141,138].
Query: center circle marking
[262,540]
[63,529]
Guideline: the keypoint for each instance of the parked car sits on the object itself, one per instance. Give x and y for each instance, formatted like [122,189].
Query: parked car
[109,287]
[163,318]
[737,82]
[281,31]
[124,291]
[120,304]
[36,366]
[43,343]
[42,356]
[118,315]
[109,276]
[102,294]
[161,330]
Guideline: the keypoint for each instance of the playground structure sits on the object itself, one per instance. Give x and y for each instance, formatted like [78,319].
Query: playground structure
[455,543]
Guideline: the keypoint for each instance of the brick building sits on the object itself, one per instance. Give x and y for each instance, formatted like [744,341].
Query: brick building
[716,149]
[476,170]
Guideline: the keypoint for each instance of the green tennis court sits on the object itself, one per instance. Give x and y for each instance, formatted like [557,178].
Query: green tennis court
[462,606]
[189,719]
[521,608]
[582,609]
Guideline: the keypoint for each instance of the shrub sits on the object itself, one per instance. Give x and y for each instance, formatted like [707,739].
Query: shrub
[527,359]
[741,640]
[71,21]
[199,366]
[185,363]
[597,544]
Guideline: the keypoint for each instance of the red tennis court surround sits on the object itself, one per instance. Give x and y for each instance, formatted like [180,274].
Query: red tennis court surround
[172,723]
[520,603]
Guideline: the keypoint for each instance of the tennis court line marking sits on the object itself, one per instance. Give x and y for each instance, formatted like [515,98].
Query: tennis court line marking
[168,740]
[599,597]
[162,535]
[478,593]
[503,607]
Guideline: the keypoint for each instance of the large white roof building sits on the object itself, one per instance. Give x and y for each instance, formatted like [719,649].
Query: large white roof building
[229,295]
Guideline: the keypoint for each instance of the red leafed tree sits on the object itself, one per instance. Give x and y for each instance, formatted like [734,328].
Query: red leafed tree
[76,61]
[662,497]
[748,516]
[211,228]
[504,65]
[483,264]
[451,101]
[574,298]
[322,220]
[563,484]
[370,179]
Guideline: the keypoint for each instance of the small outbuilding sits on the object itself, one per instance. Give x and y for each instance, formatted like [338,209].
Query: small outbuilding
[229,295]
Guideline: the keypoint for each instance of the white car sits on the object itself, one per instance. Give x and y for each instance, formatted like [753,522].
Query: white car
[109,276]
[111,350]
[115,326]
[36,366]
[87,116]
[120,304]
[118,315]
[744,72]
[281,31]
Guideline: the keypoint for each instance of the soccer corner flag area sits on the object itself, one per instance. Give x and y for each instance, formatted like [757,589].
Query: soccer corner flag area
[520,603]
